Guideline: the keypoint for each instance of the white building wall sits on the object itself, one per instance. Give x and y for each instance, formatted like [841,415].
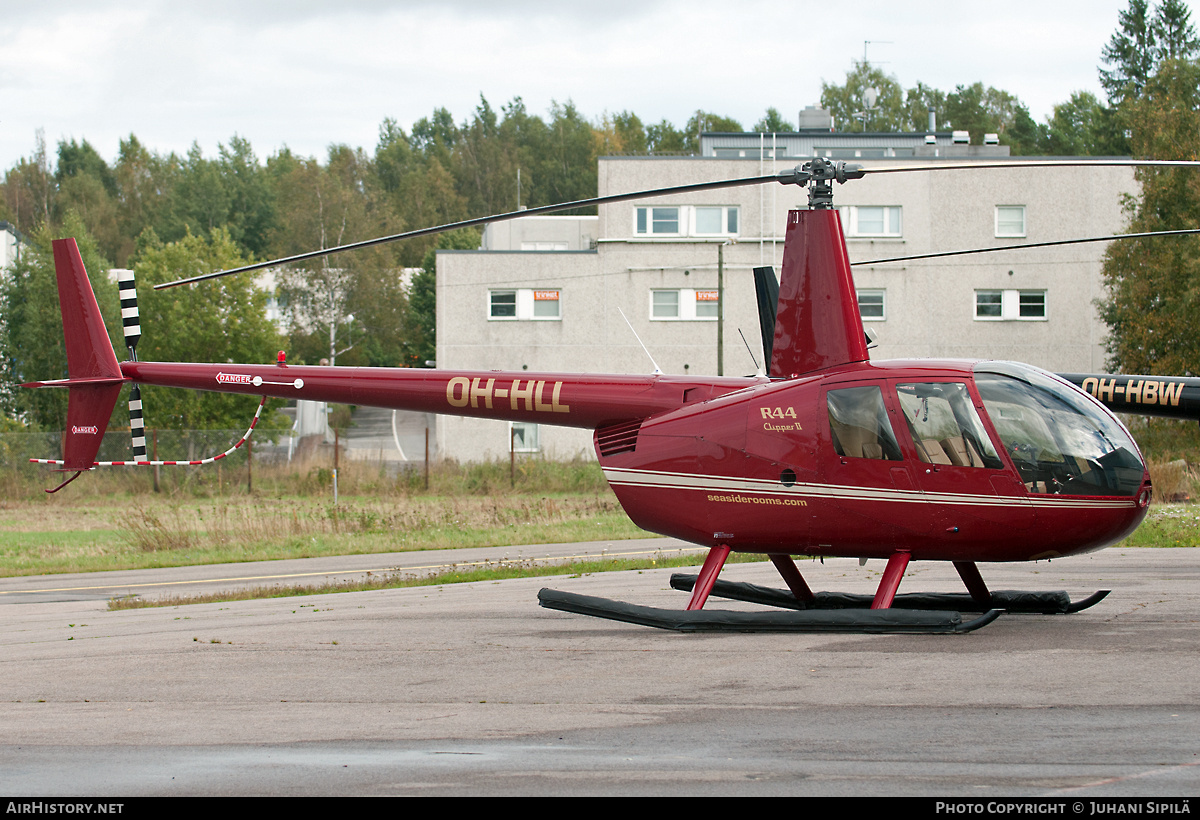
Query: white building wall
[9,245]
[930,304]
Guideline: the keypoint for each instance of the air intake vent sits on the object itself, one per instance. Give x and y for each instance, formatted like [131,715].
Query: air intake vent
[618,438]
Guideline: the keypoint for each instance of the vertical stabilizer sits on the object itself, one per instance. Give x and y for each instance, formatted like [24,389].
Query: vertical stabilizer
[95,377]
[89,351]
[817,322]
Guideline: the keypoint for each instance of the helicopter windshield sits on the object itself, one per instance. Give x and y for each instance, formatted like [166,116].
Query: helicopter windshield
[1060,440]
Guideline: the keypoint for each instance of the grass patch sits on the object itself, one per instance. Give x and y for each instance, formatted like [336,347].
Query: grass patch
[110,521]
[153,532]
[113,519]
[1168,526]
[491,571]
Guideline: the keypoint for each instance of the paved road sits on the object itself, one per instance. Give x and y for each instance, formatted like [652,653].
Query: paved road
[473,689]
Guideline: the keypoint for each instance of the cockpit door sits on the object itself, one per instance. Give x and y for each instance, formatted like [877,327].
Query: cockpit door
[972,489]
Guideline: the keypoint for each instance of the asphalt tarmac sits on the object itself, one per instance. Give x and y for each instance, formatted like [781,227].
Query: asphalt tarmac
[474,689]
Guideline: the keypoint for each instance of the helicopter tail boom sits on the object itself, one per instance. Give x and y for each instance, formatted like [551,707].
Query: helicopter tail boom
[569,400]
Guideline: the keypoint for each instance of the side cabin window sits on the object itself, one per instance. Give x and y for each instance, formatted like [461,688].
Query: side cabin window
[858,422]
[944,425]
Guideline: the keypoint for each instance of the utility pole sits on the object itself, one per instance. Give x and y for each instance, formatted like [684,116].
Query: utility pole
[721,305]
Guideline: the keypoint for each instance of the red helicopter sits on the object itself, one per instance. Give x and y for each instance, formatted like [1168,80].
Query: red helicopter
[829,454]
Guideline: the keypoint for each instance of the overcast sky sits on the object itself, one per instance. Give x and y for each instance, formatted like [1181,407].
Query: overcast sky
[307,74]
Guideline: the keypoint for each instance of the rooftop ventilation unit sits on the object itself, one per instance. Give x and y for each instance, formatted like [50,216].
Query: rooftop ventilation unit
[961,138]
[991,139]
[813,117]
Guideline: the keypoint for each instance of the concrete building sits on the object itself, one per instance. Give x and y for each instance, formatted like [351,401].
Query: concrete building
[11,241]
[516,304]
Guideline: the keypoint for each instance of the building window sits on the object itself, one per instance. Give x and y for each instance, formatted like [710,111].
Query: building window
[871,220]
[503,304]
[1032,304]
[664,304]
[779,152]
[715,220]
[697,220]
[523,437]
[525,304]
[1010,220]
[872,305]
[658,221]
[1010,305]
[545,304]
[684,304]
[707,304]
[861,153]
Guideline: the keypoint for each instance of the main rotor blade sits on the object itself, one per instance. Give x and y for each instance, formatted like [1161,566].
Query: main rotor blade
[1080,162]
[796,176]
[783,177]
[996,249]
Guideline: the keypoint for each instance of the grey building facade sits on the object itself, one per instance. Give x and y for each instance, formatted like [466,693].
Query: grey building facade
[654,265]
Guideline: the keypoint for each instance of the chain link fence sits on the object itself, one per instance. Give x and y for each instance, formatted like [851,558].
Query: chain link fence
[161,445]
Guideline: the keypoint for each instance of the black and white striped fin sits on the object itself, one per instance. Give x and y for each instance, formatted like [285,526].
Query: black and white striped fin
[133,333]
[137,427]
[129,311]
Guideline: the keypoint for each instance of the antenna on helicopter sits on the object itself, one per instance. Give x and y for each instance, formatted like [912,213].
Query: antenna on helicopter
[657,369]
[758,371]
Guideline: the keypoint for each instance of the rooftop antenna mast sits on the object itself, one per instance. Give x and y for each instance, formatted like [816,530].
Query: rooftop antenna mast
[877,42]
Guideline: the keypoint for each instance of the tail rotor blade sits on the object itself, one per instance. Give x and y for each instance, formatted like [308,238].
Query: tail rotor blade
[129,311]
[133,334]
[766,289]
[137,426]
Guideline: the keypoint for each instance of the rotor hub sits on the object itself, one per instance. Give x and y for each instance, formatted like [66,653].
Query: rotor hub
[819,174]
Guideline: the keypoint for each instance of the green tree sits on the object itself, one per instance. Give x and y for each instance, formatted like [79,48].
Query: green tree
[200,202]
[1082,126]
[917,102]
[869,100]
[87,186]
[1130,52]
[145,185]
[322,207]
[706,121]
[1174,35]
[571,155]
[223,320]
[664,138]
[981,110]
[31,336]
[1154,283]
[773,122]
[411,173]
[251,210]
[84,160]
[29,189]
[630,132]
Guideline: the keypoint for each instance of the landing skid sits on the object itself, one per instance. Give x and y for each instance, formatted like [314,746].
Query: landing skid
[1046,603]
[870,621]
